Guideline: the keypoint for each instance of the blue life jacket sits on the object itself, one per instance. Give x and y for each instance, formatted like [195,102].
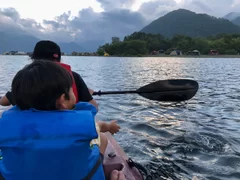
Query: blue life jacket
[50,145]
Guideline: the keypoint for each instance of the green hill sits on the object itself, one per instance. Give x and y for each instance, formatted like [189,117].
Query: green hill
[189,23]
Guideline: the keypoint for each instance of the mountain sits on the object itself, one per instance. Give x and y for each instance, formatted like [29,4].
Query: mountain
[11,41]
[231,16]
[23,42]
[92,45]
[15,39]
[236,21]
[191,24]
[69,47]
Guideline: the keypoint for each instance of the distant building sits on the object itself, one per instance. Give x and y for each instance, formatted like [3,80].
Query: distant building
[213,52]
[154,53]
[20,53]
[15,53]
[194,53]
[161,51]
[176,53]
[12,52]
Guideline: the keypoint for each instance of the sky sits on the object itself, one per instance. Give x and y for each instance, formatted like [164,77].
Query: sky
[96,20]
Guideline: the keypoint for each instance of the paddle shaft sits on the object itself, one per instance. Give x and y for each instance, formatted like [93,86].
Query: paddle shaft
[113,92]
[130,92]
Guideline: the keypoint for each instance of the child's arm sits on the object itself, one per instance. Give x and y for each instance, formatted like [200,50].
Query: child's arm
[4,101]
[112,127]
[91,91]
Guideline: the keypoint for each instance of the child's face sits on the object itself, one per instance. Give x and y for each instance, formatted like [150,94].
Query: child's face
[64,103]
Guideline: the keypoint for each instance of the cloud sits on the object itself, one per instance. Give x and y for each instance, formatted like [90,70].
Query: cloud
[116,19]
[156,8]
[116,4]
[213,7]
[202,6]
[10,13]
[95,26]
[12,22]
[87,26]
[235,6]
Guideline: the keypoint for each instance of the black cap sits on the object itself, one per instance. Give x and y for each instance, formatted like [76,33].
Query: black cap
[46,50]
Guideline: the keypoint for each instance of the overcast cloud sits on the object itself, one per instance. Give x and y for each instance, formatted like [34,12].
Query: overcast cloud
[117,19]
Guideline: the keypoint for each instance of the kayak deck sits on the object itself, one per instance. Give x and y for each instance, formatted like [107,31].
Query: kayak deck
[115,158]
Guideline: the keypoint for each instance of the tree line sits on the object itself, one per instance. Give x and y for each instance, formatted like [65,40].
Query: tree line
[140,44]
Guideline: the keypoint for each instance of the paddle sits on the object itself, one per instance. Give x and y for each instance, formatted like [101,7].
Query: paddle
[163,90]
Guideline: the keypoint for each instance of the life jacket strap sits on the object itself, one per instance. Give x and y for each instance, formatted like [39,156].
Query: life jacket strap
[94,169]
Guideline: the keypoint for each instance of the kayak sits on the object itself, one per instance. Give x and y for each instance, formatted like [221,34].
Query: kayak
[116,159]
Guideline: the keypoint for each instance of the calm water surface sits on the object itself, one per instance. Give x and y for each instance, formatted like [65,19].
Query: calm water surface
[199,137]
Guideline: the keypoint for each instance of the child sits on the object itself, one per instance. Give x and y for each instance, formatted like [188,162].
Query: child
[46,135]
[48,50]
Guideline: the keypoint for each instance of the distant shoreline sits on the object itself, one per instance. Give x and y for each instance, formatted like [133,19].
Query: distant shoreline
[155,56]
[201,56]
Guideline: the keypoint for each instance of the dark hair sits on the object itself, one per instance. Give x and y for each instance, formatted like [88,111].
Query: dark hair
[46,50]
[39,84]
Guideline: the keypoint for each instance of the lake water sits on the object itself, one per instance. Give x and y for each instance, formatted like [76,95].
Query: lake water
[200,137]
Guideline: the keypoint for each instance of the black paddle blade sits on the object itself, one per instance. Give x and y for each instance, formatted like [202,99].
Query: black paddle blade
[169,90]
